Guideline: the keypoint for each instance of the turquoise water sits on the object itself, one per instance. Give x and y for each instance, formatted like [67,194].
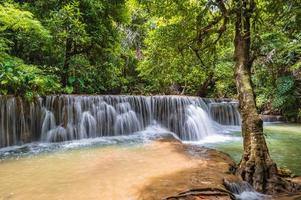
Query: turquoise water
[284,142]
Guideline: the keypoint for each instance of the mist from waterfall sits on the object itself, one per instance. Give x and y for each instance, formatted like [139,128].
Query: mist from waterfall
[70,117]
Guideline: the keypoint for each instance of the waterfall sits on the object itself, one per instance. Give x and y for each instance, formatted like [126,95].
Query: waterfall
[87,126]
[70,117]
[48,124]
[244,191]
[224,112]
[197,124]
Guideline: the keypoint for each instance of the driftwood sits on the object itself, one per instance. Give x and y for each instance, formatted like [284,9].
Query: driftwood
[204,192]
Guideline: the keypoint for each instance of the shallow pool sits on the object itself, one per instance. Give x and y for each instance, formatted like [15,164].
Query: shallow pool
[110,172]
[284,142]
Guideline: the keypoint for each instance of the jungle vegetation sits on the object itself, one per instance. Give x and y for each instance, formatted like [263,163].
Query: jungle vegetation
[148,47]
[244,49]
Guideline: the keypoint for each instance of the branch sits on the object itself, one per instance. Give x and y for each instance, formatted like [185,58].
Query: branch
[196,52]
[256,56]
[210,28]
[203,32]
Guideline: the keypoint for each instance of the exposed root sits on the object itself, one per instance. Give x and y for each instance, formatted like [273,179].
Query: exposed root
[264,177]
[202,192]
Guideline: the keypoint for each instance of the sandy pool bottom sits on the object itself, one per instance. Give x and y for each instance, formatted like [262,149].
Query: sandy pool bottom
[111,173]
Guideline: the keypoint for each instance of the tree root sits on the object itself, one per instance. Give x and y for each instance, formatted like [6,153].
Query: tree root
[264,177]
[204,192]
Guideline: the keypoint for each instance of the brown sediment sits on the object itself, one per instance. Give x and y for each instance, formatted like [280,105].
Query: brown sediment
[204,181]
[289,197]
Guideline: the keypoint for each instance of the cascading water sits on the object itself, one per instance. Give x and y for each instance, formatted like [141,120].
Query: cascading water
[244,191]
[197,124]
[224,112]
[68,117]
[47,125]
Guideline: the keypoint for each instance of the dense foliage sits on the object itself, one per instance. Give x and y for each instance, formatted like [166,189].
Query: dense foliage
[146,47]
[16,76]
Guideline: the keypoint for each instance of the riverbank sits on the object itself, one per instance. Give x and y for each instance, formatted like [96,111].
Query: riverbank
[207,180]
[203,180]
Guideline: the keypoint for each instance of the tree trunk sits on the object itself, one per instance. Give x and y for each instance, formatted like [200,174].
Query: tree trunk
[256,166]
[204,88]
[68,54]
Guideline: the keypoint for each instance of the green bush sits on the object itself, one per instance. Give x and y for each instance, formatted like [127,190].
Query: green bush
[25,80]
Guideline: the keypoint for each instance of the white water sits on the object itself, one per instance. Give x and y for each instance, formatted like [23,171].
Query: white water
[151,133]
[244,191]
[197,124]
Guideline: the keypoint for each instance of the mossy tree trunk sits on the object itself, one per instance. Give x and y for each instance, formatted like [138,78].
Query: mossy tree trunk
[256,166]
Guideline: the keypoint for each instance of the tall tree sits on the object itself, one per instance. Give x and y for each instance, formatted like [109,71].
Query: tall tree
[214,19]
[256,165]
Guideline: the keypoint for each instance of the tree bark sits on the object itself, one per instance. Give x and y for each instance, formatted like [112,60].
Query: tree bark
[68,54]
[256,166]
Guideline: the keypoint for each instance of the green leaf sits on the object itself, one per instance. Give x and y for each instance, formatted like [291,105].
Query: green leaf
[68,89]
